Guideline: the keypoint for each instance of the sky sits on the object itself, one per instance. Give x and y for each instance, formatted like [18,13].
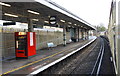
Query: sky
[95,12]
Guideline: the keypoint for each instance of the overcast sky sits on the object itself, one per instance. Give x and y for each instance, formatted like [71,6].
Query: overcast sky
[93,11]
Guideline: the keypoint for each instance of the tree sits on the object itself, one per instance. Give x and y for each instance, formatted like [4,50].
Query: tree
[101,28]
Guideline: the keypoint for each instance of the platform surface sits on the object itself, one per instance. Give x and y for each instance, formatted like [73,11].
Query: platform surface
[43,57]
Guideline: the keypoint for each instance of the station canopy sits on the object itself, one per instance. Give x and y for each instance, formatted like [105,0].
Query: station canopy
[40,12]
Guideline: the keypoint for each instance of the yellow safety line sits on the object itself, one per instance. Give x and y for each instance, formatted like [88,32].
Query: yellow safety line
[31,63]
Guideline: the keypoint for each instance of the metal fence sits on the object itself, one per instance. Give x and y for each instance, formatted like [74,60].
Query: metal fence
[7,40]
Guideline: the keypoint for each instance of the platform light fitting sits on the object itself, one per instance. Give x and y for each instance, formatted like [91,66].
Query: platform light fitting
[7,14]
[35,19]
[46,21]
[75,24]
[33,12]
[69,26]
[4,4]
[69,23]
[62,20]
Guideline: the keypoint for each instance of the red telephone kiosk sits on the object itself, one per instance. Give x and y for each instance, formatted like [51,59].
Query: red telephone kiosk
[25,44]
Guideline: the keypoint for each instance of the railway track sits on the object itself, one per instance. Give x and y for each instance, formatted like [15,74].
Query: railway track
[97,65]
[87,61]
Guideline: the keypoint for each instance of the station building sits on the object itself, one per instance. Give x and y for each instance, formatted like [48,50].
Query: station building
[50,22]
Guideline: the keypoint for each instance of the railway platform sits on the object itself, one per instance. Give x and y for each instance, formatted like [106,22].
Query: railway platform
[26,27]
[44,57]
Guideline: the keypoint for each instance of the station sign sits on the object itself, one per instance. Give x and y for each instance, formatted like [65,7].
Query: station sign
[52,20]
[9,23]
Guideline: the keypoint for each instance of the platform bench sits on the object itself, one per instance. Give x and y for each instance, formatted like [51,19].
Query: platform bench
[51,44]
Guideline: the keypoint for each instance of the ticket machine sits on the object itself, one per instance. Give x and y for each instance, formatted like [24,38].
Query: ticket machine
[25,44]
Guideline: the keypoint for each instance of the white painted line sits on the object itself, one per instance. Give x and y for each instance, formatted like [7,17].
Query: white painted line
[60,59]
[39,66]
[98,70]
